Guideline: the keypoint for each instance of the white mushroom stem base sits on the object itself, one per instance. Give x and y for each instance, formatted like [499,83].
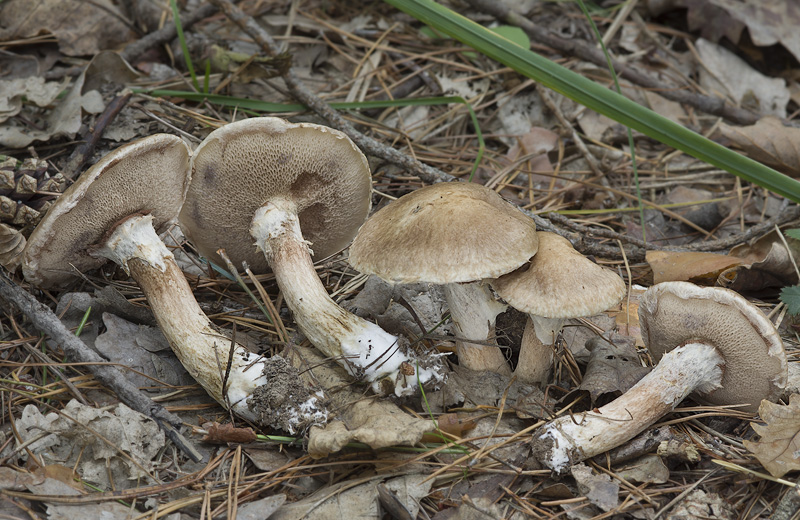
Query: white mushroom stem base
[202,350]
[536,350]
[474,312]
[361,347]
[570,439]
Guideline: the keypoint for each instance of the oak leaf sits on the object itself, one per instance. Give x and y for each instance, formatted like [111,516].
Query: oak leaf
[778,450]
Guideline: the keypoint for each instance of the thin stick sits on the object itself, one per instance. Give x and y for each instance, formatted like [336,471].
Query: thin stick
[47,322]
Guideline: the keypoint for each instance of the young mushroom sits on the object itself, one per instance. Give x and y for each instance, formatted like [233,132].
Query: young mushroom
[112,212]
[452,234]
[559,283]
[297,189]
[710,341]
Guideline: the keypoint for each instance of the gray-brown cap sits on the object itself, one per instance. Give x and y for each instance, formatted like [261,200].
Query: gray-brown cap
[444,233]
[149,175]
[239,167]
[559,282]
[677,313]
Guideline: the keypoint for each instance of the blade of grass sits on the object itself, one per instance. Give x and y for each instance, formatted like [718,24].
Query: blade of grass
[266,106]
[182,39]
[595,96]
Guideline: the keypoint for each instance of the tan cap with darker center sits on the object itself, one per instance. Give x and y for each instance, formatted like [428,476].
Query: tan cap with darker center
[444,233]
[559,282]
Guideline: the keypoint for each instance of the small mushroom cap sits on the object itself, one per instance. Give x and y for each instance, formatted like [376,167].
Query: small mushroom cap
[444,233]
[149,175]
[677,313]
[241,166]
[559,282]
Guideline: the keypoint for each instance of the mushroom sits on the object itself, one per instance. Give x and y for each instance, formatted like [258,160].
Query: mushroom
[710,341]
[112,212]
[294,188]
[453,234]
[559,283]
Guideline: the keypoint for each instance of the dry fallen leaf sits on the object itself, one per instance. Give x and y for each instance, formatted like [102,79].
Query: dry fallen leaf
[81,28]
[770,142]
[689,266]
[778,450]
[613,367]
[726,74]
[598,488]
[377,422]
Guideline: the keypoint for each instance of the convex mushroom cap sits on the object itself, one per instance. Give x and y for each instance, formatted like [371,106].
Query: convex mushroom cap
[451,234]
[146,176]
[444,233]
[241,166]
[673,314]
[557,284]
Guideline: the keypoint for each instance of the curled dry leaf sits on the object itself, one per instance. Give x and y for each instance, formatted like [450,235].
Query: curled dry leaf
[769,142]
[691,266]
[762,263]
[780,436]
[225,433]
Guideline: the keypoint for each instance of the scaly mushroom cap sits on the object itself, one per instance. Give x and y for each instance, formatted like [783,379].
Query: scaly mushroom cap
[559,282]
[149,175]
[241,166]
[676,313]
[444,233]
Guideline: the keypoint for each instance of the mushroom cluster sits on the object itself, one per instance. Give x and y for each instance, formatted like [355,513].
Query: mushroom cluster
[113,212]
[710,341]
[458,234]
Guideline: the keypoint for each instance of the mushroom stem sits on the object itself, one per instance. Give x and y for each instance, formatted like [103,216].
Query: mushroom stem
[203,351]
[694,367]
[474,312]
[361,347]
[536,350]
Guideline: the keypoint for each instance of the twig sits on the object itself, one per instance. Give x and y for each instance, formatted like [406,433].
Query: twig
[788,506]
[90,138]
[47,322]
[782,217]
[137,48]
[302,93]
[588,52]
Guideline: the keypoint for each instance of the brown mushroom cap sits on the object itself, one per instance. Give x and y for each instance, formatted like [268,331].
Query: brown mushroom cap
[677,313]
[149,175]
[241,166]
[559,282]
[444,233]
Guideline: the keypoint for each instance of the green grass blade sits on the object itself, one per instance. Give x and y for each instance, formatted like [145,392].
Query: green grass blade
[182,39]
[595,96]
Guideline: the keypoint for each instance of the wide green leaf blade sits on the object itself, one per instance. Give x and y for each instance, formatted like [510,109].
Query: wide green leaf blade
[595,96]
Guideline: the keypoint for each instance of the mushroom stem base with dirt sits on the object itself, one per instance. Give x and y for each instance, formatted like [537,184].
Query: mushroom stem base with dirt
[474,312]
[361,347]
[203,351]
[694,367]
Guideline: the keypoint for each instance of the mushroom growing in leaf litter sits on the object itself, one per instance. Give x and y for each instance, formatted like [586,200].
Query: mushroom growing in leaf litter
[112,212]
[454,234]
[557,284]
[297,189]
[710,341]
